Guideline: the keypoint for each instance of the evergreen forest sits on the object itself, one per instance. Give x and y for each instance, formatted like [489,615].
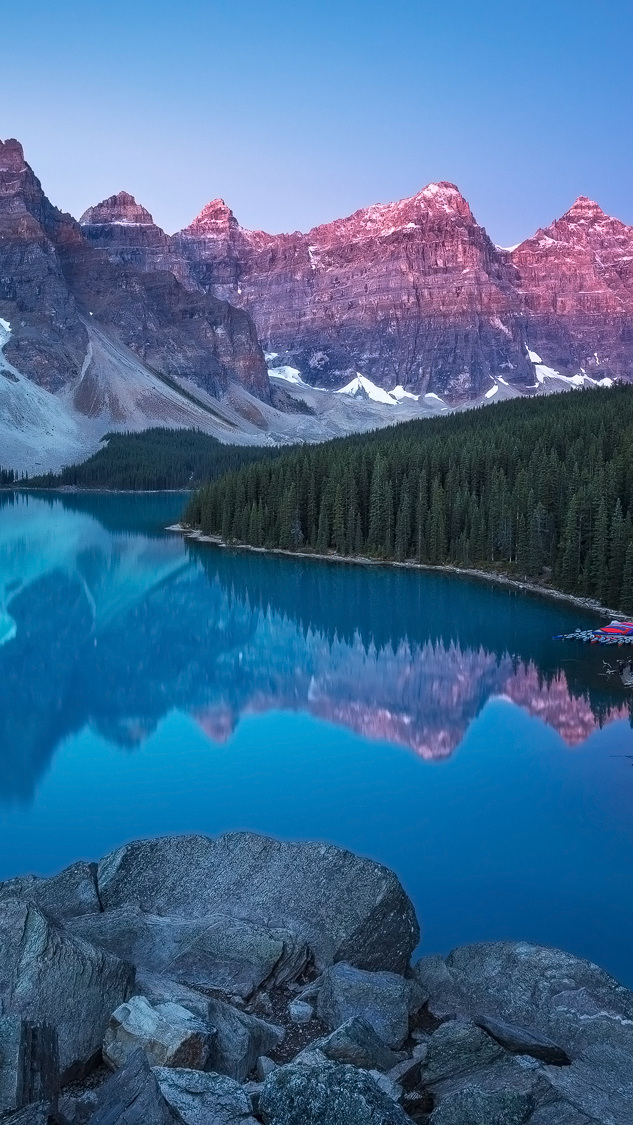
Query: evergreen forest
[536,488]
[153,459]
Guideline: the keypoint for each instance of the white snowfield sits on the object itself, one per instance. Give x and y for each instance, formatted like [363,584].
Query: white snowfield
[542,372]
[399,393]
[364,388]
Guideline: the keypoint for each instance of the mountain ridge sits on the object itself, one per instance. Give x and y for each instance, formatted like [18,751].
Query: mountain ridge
[405,308]
[414,293]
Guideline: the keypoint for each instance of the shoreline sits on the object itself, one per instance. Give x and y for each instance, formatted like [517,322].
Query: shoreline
[361,560]
[71,489]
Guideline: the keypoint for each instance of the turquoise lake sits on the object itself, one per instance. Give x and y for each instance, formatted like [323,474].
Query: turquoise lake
[151,686]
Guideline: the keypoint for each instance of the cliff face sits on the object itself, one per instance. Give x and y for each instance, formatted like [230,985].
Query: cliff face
[575,281]
[48,341]
[128,234]
[54,281]
[412,293]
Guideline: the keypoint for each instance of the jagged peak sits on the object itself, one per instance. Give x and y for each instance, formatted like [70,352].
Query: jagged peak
[215,216]
[11,156]
[120,209]
[585,209]
[385,219]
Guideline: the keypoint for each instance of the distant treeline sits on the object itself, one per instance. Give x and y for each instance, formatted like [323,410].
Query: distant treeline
[539,488]
[153,459]
[9,476]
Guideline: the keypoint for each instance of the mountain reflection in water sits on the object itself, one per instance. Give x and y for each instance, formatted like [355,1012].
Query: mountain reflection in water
[111,628]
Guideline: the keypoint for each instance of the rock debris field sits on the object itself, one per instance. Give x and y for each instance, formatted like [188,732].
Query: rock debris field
[241,980]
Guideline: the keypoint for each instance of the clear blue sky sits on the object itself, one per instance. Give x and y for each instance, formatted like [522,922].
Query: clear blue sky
[300,112]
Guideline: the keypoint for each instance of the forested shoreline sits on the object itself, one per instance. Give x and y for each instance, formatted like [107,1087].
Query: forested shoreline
[540,489]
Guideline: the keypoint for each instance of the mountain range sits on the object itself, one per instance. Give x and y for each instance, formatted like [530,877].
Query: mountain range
[400,310]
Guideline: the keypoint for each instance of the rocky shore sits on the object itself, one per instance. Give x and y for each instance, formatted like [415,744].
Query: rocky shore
[501,579]
[241,980]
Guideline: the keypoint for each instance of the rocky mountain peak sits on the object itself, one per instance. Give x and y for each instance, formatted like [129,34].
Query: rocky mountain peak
[585,210]
[215,219]
[444,196]
[11,156]
[584,227]
[121,209]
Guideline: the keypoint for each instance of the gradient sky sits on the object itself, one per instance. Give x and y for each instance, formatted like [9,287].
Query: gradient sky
[300,112]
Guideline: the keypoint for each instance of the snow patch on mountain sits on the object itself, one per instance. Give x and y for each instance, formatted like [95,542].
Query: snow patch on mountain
[288,374]
[399,394]
[361,387]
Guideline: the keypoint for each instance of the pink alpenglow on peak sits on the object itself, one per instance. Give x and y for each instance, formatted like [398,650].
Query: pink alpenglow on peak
[215,218]
[353,294]
[121,208]
[575,278]
[414,294]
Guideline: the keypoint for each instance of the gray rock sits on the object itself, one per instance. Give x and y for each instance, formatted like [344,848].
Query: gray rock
[264,1067]
[326,1095]
[309,991]
[407,1073]
[386,1084]
[346,907]
[300,1012]
[240,1039]
[474,1106]
[456,1049]
[311,1056]
[132,1097]
[77,1110]
[39,1113]
[559,1113]
[522,1042]
[599,1084]
[475,1081]
[382,999]
[70,893]
[29,1064]
[161,990]
[356,1043]
[51,977]
[216,952]
[566,999]
[204,1099]
[168,1035]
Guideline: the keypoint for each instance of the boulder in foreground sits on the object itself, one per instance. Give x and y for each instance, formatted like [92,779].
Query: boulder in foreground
[168,1035]
[204,1099]
[50,977]
[326,1095]
[382,999]
[132,1097]
[70,893]
[546,991]
[347,908]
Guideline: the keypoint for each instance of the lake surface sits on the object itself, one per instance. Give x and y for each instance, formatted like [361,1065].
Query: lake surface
[150,686]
